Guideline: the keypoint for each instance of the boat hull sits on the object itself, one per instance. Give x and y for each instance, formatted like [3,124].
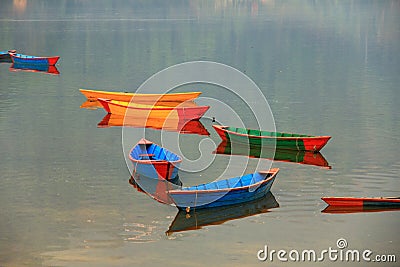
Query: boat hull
[362,202]
[300,143]
[25,59]
[144,111]
[200,199]
[173,99]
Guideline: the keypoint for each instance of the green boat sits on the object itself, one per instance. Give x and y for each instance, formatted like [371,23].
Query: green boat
[280,140]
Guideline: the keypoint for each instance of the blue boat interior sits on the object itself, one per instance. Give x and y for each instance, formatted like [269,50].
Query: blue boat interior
[235,182]
[24,56]
[153,152]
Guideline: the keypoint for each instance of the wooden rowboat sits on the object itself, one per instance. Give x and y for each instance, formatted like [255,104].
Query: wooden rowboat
[153,161]
[282,155]
[363,202]
[224,192]
[174,125]
[25,59]
[197,219]
[191,112]
[281,140]
[173,99]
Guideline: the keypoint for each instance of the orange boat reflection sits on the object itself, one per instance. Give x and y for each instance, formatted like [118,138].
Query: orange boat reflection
[91,104]
[168,124]
[196,219]
[284,155]
[35,68]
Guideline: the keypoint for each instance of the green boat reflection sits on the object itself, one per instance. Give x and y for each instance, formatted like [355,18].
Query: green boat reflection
[284,155]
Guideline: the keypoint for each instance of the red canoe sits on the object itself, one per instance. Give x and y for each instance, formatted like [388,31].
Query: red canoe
[363,202]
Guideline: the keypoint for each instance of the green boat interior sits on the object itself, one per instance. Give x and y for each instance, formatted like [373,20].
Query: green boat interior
[264,133]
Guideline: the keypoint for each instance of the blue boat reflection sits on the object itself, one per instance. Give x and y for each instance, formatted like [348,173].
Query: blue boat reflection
[35,68]
[198,218]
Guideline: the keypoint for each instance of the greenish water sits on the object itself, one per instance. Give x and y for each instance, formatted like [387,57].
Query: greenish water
[326,68]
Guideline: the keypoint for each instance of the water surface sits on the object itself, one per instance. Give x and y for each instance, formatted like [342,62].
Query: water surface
[326,68]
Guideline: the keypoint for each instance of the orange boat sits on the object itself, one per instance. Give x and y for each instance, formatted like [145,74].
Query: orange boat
[173,98]
[175,125]
[144,111]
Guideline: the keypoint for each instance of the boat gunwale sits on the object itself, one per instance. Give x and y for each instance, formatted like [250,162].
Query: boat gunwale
[273,172]
[140,94]
[223,128]
[376,199]
[31,57]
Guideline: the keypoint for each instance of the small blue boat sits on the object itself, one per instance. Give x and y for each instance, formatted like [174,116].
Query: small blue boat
[153,161]
[224,192]
[25,59]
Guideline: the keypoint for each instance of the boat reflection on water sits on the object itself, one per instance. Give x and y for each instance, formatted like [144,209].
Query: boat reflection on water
[154,187]
[357,209]
[284,155]
[91,104]
[35,68]
[168,124]
[196,219]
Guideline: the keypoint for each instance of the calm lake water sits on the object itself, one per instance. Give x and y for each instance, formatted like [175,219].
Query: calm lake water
[326,68]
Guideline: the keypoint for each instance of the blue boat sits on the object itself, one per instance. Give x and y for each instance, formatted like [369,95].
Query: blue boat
[224,192]
[153,161]
[25,59]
